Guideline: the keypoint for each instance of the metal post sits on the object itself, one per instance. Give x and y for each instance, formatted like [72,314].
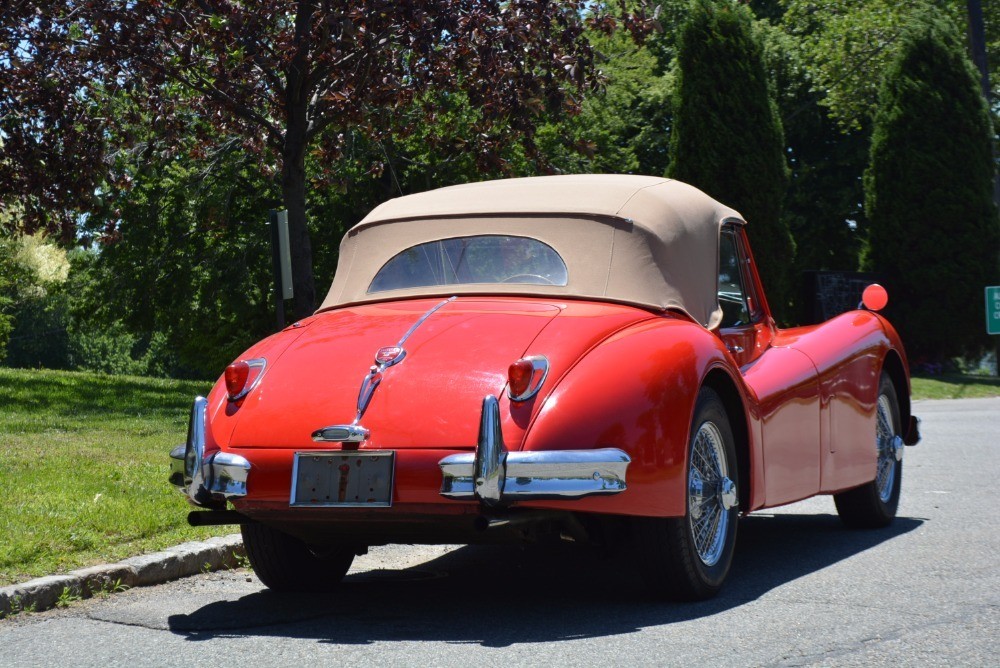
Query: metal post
[279,302]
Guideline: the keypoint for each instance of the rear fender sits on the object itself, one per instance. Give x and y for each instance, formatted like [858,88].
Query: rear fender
[896,366]
[222,414]
[636,391]
[745,424]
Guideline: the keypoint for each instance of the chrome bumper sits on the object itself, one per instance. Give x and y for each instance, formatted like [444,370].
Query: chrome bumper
[206,481]
[495,476]
[491,474]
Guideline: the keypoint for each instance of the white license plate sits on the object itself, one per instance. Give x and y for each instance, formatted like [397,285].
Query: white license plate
[343,478]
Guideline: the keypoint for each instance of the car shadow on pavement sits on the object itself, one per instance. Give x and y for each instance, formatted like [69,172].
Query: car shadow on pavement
[496,596]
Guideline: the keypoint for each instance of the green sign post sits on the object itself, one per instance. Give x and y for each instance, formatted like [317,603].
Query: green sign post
[993,310]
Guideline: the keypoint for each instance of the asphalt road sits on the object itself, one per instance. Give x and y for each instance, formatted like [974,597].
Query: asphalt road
[803,592]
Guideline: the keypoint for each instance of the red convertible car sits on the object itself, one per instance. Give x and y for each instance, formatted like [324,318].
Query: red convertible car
[586,356]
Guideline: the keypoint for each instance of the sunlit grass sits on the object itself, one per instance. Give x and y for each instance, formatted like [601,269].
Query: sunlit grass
[83,469]
[955,386]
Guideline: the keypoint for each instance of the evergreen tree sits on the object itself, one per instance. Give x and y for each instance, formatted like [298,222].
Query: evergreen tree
[727,137]
[824,205]
[621,129]
[928,189]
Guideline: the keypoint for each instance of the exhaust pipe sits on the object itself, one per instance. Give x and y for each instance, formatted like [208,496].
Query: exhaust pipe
[208,518]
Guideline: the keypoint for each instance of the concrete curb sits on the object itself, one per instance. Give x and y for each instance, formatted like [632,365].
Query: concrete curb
[176,562]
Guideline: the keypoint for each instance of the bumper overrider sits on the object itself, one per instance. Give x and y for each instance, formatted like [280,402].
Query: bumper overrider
[206,481]
[492,475]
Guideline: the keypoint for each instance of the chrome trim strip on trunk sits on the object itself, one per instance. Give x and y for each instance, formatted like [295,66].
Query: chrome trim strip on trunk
[419,322]
[356,432]
[493,475]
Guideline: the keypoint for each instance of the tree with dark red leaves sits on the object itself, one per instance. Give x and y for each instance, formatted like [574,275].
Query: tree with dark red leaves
[284,78]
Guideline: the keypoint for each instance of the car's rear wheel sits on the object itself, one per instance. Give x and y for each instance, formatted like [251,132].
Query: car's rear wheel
[874,504]
[688,558]
[285,563]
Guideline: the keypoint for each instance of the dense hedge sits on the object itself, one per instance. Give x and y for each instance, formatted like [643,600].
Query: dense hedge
[727,138]
[928,194]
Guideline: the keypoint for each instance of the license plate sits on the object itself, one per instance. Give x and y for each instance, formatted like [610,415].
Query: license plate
[343,478]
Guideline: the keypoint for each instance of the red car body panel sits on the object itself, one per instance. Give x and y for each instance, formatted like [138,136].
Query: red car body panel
[318,384]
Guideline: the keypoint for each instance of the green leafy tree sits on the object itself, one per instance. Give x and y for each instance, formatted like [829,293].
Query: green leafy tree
[35,271]
[928,193]
[8,268]
[190,263]
[848,45]
[6,291]
[727,136]
[824,202]
[623,128]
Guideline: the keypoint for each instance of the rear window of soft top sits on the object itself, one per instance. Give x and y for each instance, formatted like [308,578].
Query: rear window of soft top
[472,260]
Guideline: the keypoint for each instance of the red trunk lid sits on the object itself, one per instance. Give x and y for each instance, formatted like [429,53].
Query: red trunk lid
[431,399]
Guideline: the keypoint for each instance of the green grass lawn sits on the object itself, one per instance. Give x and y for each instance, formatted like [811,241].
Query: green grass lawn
[83,469]
[955,386]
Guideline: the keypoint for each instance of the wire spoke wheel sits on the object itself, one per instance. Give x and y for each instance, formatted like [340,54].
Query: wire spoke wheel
[886,475]
[706,474]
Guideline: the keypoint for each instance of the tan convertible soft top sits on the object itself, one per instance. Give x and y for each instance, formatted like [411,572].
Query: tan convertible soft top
[641,240]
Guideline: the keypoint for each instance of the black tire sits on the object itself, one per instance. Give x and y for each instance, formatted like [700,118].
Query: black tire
[873,505]
[286,564]
[674,564]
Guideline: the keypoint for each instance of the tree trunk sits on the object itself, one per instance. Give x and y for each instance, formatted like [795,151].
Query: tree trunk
[293,168]
[293,191]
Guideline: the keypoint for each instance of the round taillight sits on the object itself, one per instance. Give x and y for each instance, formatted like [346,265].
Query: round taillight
[243,376]
[525,377]
[236,377]
[519,377]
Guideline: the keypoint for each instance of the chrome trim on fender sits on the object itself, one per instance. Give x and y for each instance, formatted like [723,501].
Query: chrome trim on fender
[207,480]
[493,475]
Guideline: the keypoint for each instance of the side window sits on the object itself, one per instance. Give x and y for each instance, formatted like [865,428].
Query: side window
[732,296]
